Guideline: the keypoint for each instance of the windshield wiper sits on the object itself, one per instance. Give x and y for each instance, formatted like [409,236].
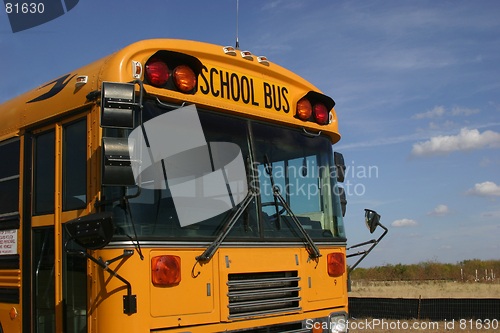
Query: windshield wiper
[311,247]
[269,170]
[210,251]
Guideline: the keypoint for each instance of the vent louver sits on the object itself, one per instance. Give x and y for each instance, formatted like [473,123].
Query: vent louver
[259,294]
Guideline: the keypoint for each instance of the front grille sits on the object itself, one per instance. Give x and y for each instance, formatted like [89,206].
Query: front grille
[258,294]
[279,328]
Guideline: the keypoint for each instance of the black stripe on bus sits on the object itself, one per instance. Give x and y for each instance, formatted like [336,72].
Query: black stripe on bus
[9,261]
[26,235]
[10,222]
[9,295]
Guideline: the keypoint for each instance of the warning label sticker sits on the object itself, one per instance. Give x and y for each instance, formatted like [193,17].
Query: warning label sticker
[8,242]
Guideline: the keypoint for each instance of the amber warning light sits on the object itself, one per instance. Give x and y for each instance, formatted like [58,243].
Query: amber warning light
[166,270]
[316,112]
[336,264]
[184,78]
[304,109]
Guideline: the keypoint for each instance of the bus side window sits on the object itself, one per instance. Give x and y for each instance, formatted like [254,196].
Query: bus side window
[44,284]
[75,165]
[43,173]
[74,196]
[9,178]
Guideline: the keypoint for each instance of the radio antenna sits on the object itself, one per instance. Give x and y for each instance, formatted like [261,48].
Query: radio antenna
[237,10]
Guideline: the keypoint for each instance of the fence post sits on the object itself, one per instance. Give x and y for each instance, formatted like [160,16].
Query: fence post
[419,302]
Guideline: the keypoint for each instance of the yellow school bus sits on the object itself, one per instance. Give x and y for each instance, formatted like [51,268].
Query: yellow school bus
[91,241]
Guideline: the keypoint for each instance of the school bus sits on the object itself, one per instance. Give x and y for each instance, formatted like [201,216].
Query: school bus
[101,231]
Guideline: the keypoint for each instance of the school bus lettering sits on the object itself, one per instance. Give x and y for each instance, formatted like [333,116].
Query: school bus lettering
[252,93]
[224,84]
[273,95]
[284,91]
[212,71]
[235,87]
[239,88]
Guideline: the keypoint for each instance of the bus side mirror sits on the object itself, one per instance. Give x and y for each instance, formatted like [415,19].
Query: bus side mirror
[92,231]
[118,108]
[116,168]
[372,220]
[339,166]
[117,105]
[343,201]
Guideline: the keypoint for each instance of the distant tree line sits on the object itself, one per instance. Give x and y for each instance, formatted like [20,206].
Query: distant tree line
[488,270]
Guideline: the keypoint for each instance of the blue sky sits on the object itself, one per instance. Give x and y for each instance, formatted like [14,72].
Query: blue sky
[416,85]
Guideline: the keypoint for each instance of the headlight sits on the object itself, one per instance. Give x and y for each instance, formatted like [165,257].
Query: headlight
[338,322]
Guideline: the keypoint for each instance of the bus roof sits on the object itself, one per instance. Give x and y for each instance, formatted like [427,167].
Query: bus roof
[222,82]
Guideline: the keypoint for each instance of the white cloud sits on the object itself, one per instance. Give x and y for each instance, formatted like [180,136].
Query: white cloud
[486,161]
[447,124]
[404,223]
[415,235]
[438,111]
[440,211]
[486,189]
[462,111]
[282,4]
[494,215]
[467,140]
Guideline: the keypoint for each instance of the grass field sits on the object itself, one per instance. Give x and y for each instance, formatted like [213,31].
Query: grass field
[424,289]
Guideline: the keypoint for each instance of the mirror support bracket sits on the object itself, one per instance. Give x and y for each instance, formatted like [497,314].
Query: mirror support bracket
[365,252]
[93,232]
[372,221]
[129,300]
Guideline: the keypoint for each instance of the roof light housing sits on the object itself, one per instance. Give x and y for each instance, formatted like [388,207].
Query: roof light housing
[315,107]
[81,81]
[247,55]
[182,69]
[263,60]
[229,50]
[136,69]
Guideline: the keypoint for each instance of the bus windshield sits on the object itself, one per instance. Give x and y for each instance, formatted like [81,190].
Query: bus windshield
[302,169]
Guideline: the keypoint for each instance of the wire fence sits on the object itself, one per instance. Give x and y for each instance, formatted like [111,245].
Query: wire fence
[425,308]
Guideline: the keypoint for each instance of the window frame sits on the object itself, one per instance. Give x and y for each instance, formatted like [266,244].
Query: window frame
[7,215]
[64,179]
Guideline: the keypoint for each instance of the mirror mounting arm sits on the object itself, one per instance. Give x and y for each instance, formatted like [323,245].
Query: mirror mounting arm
[129,300]
[126,197]
[126,253]
[358,245]
[365,252]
